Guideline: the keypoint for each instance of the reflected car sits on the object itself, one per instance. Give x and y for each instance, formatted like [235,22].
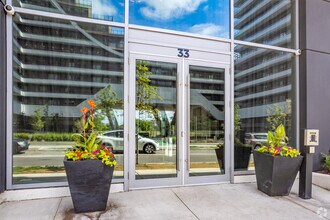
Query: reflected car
[20,145]
[255,139]
[115,140]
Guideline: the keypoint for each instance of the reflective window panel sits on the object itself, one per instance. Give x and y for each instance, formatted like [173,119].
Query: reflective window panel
[57,67]
[155,118]
[265,22]
[263,99]
[109,10]
[207,121]
[204,17]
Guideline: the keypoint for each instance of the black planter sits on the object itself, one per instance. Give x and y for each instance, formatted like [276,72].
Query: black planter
[241,157]
[275,175]
[89,183]
[220,156]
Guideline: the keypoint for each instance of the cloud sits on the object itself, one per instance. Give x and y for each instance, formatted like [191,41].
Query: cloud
[208,29]
[167,9]
[103,8]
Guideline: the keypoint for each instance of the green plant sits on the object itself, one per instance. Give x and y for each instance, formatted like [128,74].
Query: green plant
[37,121]
[276,144]
[87,144]
[326,160]
[278,138]
[106,102]
[276,116]
[25,136]
[49,136]
[145,92]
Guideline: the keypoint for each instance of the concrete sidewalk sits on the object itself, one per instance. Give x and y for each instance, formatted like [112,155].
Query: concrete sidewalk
[224,201]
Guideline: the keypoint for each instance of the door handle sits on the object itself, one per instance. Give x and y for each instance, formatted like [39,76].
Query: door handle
[188,123]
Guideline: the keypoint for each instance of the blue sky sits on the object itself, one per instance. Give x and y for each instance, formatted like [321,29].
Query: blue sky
[113,8]
[206,17]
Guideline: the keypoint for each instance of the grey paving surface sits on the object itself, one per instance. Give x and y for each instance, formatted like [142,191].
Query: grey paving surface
[224,201]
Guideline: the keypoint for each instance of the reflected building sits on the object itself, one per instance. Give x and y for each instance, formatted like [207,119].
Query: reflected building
[58,65]
[263,77]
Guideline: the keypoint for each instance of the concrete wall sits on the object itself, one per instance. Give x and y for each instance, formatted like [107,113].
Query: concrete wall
[315,71]
[3,99]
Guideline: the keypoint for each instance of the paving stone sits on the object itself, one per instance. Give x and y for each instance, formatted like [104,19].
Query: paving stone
[41,209]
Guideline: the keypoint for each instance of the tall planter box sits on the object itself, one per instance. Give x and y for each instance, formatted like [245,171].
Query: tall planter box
[276,174]
[89,183]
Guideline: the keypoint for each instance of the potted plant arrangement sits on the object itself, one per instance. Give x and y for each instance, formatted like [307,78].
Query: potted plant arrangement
[89,167]
[322,178]
[326,161]
[276,165]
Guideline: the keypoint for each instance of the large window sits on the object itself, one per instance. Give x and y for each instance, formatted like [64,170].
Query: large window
[109,10]
[58,66]
[263,99]
[204,17]
[265,22]
[61,63]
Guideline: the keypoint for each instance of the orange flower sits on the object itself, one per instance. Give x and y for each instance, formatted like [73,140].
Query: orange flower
[84,110]
[78,154]
[92,104]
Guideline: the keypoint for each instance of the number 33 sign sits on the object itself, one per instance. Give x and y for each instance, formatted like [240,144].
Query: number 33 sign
[183,53]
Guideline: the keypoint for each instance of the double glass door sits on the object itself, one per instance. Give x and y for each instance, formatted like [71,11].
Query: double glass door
[178,121]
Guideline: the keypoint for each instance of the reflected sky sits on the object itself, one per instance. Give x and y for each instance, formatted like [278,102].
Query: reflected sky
[112,10]
[205,17]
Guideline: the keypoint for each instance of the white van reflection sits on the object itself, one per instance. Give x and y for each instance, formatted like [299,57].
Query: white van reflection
[115,140]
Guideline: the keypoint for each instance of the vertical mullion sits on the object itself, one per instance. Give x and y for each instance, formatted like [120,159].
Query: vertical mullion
[9,164]
[231,99]
[126,101]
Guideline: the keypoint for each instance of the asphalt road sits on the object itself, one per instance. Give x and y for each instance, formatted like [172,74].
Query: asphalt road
[54,157]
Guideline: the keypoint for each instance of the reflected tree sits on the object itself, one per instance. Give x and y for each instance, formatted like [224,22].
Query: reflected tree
[37,121]
[106,101]
[47,118]
[277,115]
[237,123]
[145,93]
[99,122]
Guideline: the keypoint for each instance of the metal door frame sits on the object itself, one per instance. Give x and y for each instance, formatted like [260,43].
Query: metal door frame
[160,182]
[192,180]
[182,123]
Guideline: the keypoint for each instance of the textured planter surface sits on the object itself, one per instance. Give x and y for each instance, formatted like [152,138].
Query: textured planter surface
[89,183]
[275,175]
[322,180]
[241,157]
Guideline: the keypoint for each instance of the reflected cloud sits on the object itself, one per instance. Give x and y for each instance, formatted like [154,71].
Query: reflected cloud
[208,29]
[167,9]
[103,8]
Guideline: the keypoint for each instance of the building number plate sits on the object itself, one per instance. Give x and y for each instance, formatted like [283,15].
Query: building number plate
[183,53]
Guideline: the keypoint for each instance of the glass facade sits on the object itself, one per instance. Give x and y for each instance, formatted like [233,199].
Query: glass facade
[59,64]
[265,22]
[263,98]
[204,17]
[109,10]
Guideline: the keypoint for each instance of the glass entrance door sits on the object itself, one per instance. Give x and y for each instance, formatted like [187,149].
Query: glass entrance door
[154,158]
[206,121]
[177,122]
